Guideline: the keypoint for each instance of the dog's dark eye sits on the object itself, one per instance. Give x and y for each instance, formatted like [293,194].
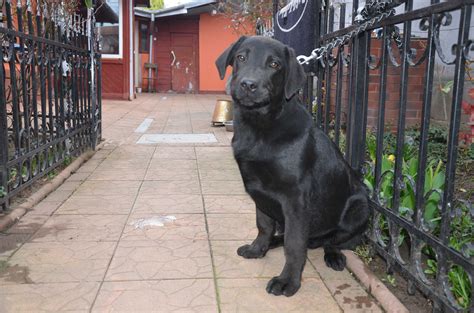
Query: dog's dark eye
[241,58]
[274,65]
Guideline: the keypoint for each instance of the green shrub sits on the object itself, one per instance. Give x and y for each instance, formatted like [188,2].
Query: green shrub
[462,226]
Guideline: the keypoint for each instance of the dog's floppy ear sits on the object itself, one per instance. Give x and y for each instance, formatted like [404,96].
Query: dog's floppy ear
[227,57]
[295,75]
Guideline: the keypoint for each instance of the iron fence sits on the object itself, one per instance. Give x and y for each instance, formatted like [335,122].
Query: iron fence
[50,109]
[371,69]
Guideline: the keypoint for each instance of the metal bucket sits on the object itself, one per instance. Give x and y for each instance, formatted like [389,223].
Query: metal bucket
[223,112]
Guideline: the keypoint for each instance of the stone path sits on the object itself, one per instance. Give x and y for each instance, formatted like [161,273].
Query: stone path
[155,228]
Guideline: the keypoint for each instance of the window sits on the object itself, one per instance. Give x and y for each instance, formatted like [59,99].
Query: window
[144,37]
[110,28]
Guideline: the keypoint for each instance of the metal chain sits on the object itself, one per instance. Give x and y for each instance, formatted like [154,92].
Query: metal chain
[372,13]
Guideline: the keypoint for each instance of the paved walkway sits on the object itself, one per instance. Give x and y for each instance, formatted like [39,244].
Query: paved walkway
[154,228]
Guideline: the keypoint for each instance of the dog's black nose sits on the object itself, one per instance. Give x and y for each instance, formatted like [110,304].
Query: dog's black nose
[248,84]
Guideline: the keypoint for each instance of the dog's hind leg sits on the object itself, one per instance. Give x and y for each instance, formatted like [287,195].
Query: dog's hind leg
[259,247]
[350,229]
[353,219]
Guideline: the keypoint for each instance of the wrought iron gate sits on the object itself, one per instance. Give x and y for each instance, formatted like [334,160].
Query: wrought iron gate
[50,107]
[368,66]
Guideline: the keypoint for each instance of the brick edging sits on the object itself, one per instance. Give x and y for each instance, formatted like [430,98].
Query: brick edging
[373,285]
[18,211]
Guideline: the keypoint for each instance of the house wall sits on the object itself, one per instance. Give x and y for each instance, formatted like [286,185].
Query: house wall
[116,72]
[215,36]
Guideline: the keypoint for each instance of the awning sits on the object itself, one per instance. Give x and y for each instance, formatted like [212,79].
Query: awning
[104,13]
[142,3]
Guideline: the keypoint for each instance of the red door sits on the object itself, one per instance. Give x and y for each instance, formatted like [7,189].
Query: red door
[184,63]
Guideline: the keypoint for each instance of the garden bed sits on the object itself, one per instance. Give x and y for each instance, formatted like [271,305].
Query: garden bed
[461,223]
[398,286]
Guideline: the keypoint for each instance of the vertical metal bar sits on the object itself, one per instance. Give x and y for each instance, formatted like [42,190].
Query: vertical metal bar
[3,139]
[352,73]
[60,81]
[350,94]
[24,83]
[319,88]
[92,55]
[99,97]
[49,76]
[340,72]
[318,69]
[381,111]
[398,179]
[74,78]
[415,253]
[357,109]
[327,84]
[455,120]
[55,60]
[34,82]
[81,78]
[42,59]
[365,102]
[14,90]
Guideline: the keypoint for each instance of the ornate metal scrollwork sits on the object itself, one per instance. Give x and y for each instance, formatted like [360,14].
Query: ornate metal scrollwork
[394,36]
[443,19]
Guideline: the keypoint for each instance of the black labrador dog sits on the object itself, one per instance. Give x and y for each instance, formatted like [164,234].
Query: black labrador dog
[299,180]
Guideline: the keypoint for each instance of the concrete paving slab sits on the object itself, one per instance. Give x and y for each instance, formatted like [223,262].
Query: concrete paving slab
[176,138]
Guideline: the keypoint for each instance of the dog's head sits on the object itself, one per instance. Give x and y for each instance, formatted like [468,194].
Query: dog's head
[264,71]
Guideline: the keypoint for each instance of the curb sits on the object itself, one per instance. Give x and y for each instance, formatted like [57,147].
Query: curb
[18,211]
[373,285]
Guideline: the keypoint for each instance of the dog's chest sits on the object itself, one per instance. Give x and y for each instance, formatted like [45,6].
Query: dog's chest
[263,167]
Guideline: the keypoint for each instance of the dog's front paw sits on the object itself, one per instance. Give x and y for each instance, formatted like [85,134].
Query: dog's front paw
[283,286]
[335,260]
[251,251]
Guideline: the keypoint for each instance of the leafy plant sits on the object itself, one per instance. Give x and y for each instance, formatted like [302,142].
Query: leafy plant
[3,192]
[67,160]
[460,286]
[462,226]
[52,174]
[88,4]
[157,4]
[390,279]
[458,279]
[364,252]
[446,88]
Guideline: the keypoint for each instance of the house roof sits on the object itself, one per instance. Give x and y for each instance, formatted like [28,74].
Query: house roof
[104,13]
[145,3]
[190,8]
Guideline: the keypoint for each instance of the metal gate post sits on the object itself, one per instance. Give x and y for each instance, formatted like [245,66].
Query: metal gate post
[93,67]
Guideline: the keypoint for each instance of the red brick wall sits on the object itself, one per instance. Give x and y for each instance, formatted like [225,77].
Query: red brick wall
[415,89]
